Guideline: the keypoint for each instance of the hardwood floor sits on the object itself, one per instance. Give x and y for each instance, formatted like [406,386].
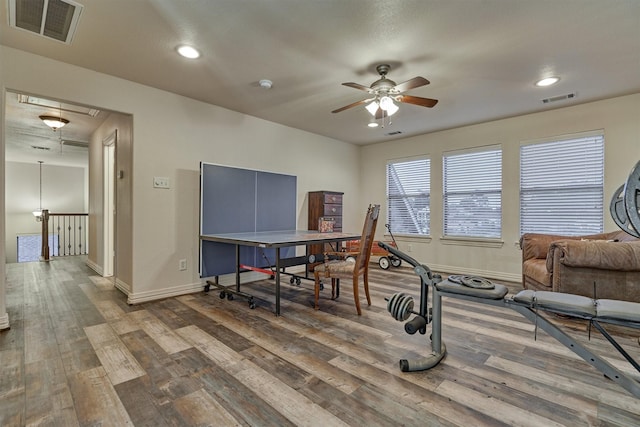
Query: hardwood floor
[77,354]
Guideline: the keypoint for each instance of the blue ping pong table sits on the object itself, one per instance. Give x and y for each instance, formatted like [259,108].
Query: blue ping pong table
[276,240]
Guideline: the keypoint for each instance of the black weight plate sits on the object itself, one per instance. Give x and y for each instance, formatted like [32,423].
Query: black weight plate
[632,201]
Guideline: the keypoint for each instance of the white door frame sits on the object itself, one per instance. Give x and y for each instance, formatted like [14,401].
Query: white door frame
[109,202]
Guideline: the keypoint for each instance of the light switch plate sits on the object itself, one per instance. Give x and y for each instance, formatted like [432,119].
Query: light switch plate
[160,182]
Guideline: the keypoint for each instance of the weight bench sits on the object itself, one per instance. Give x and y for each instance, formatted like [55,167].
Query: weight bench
[528,303]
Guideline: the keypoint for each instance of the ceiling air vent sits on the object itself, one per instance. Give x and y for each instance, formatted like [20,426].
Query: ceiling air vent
[396,132]
[53,19]
[79,144]
[559,98]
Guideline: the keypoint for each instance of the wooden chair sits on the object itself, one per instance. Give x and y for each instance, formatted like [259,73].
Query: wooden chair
[346,269]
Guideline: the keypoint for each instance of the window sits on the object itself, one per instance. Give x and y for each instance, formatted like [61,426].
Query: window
[473,194]
[561,186]
[408,184]
[30,246]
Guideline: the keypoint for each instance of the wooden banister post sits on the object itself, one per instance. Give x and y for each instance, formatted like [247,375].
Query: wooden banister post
[45,235]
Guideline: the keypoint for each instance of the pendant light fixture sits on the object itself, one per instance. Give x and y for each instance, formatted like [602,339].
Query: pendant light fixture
[53,122]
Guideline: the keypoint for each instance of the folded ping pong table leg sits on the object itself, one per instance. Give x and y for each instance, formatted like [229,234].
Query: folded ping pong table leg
[237,268]
[277,281]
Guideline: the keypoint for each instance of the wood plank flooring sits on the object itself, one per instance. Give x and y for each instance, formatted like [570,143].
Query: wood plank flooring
[77,354]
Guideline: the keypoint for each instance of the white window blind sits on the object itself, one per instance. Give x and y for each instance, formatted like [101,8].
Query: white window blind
[561,186]
[408,187]
[473,194]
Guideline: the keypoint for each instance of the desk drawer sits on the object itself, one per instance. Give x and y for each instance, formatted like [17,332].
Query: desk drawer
[332,210]
[333,199]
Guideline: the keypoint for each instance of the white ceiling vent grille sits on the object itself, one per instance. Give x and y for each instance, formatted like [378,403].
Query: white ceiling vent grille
[54,19]
[79,144]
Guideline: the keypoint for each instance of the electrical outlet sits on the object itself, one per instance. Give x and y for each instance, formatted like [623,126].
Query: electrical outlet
[182,264]
[409,247]
[160,182]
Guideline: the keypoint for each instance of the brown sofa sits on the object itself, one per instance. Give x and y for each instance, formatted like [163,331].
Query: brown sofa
[573,264]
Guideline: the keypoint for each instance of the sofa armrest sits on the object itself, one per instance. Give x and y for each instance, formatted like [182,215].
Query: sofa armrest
[536,245]
[603,255]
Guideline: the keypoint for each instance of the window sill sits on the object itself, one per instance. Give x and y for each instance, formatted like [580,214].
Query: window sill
[409,237]
[470,241]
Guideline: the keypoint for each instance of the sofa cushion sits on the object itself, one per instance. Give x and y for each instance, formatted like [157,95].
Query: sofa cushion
[536,269]
[620,256]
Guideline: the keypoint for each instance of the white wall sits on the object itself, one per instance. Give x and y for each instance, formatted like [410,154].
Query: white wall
[618,117]
[4,316]
[171,135]
[63,190]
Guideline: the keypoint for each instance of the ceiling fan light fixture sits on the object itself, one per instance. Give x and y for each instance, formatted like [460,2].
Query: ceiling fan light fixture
[54,123]
[392,109]
[372,108]
[387,104]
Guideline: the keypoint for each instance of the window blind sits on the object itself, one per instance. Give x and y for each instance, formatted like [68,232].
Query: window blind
[408,187]
[473,194]
[562,186]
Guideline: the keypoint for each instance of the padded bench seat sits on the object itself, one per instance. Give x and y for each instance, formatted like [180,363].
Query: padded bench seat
[498,292]
[580,306]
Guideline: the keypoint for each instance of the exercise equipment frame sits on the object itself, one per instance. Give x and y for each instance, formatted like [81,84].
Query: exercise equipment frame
[529,310]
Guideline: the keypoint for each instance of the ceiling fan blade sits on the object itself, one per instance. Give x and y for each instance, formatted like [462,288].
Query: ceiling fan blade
[357,86]
[411,84]
[355,104]
[423,102]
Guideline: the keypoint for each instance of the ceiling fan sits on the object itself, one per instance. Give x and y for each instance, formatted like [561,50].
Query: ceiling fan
[384,91]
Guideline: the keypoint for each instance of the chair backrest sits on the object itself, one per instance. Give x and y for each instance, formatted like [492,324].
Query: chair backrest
[368,234]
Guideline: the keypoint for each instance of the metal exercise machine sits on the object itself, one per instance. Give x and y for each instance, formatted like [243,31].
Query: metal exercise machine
[625,211]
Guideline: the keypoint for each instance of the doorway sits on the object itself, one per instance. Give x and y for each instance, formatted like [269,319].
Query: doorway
[109,174]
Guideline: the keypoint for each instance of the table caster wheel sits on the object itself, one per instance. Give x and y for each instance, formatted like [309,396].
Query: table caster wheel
[222,294]
[292,280]
[298,281]
[230,297]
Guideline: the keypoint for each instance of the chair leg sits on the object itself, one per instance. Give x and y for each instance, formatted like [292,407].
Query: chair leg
[334,284]
[366,287]
[316,274]
[355,295]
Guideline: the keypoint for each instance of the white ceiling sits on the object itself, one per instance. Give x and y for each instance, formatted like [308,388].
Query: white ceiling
[482,57]
[28,139]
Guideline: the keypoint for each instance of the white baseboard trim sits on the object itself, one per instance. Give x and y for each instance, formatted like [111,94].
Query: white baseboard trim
[124,287]
[493,275]
[230,279]
[95,267]
[4,321]
[146,296]
[224,280]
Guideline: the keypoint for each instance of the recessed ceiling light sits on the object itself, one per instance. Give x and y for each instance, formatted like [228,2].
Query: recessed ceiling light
[373,125]
[188,52]
[548,81]
[265,84]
